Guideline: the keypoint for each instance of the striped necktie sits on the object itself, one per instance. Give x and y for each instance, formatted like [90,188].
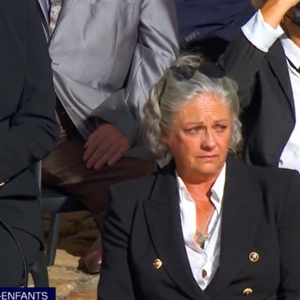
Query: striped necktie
[54,13]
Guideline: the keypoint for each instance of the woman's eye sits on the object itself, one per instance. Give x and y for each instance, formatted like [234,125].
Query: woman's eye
[192,130]
[220,128]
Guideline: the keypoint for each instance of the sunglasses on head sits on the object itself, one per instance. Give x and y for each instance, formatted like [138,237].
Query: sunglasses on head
[187,72]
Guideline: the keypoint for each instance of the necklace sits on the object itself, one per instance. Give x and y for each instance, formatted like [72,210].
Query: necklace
[202,238]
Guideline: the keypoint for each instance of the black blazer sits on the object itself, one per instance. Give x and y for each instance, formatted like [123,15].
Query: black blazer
[28,129]
[266,97]
[261,213]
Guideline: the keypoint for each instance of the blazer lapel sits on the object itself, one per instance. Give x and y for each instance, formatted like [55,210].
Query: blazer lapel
[163,218]
[241,209]
[44,10]
[277,61]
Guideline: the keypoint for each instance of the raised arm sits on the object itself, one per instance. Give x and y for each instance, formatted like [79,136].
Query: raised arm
[244,56]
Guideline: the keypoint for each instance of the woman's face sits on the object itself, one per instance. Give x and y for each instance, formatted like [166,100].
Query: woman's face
[200,136]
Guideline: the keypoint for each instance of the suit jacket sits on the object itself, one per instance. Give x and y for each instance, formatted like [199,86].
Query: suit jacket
[106,54]
[200,18]
[261,213]
[266,98]
[28,129]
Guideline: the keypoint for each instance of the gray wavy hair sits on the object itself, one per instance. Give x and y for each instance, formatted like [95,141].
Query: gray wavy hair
[169,95]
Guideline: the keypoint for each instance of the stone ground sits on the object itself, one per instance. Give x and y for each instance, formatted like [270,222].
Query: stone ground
[78,232]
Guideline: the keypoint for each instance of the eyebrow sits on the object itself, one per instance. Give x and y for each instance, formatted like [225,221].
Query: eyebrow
[202,123]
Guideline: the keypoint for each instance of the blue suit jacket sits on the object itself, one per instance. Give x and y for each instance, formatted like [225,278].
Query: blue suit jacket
[200,18]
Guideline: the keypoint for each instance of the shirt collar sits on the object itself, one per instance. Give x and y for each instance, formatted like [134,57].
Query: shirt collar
[291,50]
[217,190]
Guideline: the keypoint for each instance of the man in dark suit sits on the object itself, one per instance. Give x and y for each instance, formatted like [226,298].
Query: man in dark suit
[264,61]
[211,24]
[28,132]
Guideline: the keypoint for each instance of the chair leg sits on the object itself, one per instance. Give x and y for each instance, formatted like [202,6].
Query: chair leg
[39,271]
[53,238]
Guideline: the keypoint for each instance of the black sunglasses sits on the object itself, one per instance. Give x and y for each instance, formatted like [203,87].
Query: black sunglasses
[187,72]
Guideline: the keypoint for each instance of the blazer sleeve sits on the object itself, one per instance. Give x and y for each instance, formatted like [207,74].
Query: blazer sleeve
[241,62]
[157,46]
[33,131]
[115,280]
[289,242]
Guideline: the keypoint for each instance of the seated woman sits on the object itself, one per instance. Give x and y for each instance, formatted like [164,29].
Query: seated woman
[28,132]
[207,226]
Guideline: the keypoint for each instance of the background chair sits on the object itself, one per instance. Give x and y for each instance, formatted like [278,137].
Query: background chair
[52,202]
[39,270]
[55,203]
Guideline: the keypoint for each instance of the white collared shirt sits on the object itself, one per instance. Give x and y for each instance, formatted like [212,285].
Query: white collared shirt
[263,36]
[206,259]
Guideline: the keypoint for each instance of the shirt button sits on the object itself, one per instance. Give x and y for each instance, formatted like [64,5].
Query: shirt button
[204,273]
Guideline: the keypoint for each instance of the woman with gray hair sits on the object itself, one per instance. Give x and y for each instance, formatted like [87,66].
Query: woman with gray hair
[206,226]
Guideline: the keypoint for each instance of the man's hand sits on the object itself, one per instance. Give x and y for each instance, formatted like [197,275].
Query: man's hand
[106,145]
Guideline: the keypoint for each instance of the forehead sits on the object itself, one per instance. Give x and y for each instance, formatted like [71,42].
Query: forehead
[203,104]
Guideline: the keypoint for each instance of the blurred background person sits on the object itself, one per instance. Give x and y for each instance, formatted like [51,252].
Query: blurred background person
[207,226]
[28,132]
[105,57]
[264,61]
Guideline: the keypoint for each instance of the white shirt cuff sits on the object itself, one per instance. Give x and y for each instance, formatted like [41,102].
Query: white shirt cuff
[260,34]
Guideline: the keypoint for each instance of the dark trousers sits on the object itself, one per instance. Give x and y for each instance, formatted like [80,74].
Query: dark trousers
[11,263]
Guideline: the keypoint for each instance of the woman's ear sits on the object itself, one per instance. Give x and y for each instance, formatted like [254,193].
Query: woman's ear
[164,134]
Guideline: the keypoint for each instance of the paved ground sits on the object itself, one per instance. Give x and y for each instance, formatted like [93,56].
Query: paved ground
[77,234]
